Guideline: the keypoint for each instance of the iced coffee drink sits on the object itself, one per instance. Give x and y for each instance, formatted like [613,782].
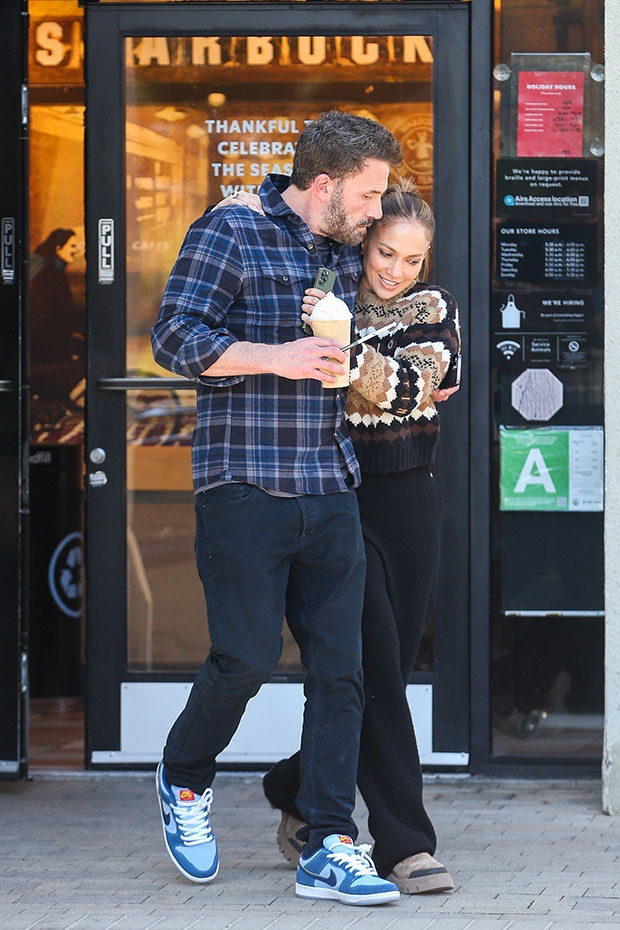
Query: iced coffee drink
[331,319]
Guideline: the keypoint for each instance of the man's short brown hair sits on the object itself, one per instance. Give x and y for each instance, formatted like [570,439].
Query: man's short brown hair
[338,144]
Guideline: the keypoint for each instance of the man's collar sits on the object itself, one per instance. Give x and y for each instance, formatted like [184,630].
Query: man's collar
[270,193]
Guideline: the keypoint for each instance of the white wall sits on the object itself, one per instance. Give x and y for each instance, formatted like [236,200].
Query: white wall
[611,749]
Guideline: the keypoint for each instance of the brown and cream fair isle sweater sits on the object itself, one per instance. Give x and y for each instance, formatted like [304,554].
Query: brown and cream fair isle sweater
[391,417]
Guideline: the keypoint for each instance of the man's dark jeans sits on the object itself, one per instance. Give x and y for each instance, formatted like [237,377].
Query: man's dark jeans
[260,558]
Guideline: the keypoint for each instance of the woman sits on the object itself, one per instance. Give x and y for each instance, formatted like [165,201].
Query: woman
[394,384]
[56,323]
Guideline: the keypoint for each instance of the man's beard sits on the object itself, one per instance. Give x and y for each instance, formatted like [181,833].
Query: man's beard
[336,224]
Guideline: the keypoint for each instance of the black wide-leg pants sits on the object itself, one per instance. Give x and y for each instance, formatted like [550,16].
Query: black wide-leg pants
[401,523]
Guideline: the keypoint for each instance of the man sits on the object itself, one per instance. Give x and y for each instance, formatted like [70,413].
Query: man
[274,471]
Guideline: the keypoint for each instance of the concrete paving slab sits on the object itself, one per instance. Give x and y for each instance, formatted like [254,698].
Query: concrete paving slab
[86,853]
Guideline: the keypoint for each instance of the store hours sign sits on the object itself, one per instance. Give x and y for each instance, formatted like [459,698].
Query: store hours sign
[545,253]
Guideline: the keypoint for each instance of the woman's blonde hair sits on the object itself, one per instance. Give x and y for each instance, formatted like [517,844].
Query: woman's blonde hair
[402,201]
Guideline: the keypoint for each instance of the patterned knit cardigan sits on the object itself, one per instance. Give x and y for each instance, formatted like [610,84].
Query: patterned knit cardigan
[392,420]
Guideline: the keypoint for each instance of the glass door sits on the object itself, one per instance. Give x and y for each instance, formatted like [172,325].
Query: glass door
[183,107]
[13,398]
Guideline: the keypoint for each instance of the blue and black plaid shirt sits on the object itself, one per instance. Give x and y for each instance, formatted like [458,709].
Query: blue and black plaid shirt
[241,276]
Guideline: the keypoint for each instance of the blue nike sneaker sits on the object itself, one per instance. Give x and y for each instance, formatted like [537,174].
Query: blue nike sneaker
[344,872]
[187,831]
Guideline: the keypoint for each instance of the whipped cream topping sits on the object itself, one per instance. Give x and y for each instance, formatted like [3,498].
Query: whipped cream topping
[331,308]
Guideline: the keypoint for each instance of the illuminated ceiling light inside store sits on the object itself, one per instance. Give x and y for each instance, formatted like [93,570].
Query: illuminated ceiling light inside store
[216,100]
[171,114]
[196,132]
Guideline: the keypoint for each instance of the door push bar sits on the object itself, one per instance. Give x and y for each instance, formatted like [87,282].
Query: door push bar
[145,384]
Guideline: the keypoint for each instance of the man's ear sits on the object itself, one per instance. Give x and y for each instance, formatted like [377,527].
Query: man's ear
[323,187]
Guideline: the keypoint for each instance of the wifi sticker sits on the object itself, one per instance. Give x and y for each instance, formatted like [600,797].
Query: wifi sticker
[508,348]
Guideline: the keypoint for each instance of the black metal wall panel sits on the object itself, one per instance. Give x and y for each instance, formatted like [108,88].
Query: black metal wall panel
[13,392]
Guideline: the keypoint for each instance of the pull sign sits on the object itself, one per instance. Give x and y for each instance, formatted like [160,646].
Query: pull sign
[8,250]
[106,251]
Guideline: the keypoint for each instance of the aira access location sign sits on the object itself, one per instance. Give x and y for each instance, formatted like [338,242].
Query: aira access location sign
[551,469]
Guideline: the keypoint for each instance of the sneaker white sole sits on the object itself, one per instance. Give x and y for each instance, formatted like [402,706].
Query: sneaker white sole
[192,878]
[332,894]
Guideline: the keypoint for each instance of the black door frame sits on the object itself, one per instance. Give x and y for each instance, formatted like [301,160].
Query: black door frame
[465,216]
[479,452]
[13,391]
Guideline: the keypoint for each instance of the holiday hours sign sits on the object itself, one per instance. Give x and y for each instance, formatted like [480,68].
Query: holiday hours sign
[550,114]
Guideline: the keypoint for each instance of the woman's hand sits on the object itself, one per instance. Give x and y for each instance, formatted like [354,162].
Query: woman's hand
[244,198]
[442,394]
[312,295]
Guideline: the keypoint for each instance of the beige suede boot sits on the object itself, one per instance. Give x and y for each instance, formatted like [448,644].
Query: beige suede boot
[420,874]
[288,844]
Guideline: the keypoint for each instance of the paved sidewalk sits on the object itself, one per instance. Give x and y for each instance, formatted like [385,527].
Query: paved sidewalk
[86,853]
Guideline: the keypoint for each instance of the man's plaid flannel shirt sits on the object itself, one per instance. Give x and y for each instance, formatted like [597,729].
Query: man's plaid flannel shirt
[242,276]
